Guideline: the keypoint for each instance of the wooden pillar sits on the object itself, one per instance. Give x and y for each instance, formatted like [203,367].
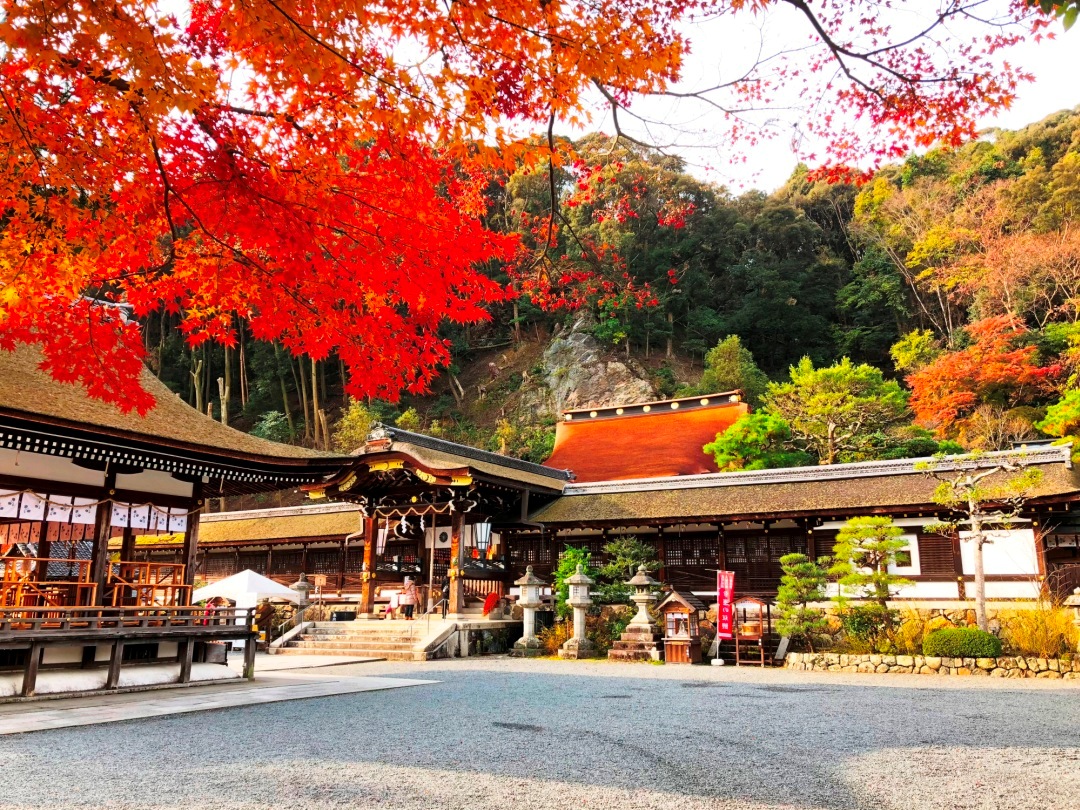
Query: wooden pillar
[44,548]
[185,650]
[249,653]
[99,558]
[367,587]
[343,559]
[191,535]
[457,583]
[721,547]
[661,552]
[113,679]
[33,660]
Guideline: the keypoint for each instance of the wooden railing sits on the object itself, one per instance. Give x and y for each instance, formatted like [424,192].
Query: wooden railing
[27,582]
[147,584]
[18,620]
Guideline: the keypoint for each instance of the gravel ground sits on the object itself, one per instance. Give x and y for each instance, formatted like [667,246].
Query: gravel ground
[498,733]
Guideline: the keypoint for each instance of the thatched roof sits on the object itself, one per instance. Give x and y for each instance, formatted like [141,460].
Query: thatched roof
[839,489]
[332,521]
[28,392]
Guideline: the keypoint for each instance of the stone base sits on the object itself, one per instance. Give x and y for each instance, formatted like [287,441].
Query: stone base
[577,648]
[638,643]
[526,648]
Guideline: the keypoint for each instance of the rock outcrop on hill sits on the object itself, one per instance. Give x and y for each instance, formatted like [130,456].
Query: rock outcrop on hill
[577,372]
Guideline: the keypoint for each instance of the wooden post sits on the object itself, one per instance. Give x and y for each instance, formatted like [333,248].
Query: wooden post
[99,559]
[33,659]
[115,660]
[249,655]
[191,535]
[343,559]
[721,547]
[185,650]
[367,587]
[457,584]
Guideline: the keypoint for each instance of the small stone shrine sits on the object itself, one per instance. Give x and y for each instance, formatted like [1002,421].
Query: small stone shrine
[641,641]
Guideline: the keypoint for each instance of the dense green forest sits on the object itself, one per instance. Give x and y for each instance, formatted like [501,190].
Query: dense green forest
[950,283]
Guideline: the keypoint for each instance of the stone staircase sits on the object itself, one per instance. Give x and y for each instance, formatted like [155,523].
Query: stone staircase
[392,640]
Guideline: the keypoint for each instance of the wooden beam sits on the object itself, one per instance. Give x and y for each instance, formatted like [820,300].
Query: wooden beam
[115,659]
[30,673]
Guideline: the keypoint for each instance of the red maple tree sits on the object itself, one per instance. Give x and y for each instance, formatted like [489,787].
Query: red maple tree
[318,169]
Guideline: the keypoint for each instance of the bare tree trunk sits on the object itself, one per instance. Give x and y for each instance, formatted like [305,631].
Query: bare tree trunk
[669,351]
[197,381]
[225,387]
[315,402]
[244,390]
[301,386]
[979,539]
[517,321]
[457,390]
[284,393]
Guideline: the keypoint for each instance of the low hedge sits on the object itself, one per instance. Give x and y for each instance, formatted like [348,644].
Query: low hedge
[961,642]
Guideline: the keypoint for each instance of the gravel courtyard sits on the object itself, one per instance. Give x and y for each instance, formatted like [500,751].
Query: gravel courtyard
[500,733]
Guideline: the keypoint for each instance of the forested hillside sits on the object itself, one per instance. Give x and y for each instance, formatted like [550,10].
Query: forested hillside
[951,282]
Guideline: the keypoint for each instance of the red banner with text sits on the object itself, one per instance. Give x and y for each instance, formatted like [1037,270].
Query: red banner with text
[725,603]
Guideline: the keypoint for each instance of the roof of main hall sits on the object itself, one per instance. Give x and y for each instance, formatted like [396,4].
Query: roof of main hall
[29,393]
[646,440]
[839,489]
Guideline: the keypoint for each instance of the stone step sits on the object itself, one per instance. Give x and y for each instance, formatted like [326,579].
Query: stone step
[389,655]
[387,634]
[353,645]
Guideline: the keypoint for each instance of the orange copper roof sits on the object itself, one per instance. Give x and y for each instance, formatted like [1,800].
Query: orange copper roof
[643,441]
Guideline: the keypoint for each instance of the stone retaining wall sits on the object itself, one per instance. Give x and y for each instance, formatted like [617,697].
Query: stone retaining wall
[1004,667]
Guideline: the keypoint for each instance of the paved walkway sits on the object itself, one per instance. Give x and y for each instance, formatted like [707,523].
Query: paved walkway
[19,718]
[279,663]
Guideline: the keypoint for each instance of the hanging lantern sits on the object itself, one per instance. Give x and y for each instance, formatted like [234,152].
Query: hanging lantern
[482,535]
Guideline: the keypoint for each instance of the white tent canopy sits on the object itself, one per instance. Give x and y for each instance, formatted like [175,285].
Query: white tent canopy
[246,589]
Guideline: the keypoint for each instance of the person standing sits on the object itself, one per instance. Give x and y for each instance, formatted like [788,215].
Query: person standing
[408,598]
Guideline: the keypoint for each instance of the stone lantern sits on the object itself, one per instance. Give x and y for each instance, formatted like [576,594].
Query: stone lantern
[302,588]
[641,641]
[578,646]
[528,645]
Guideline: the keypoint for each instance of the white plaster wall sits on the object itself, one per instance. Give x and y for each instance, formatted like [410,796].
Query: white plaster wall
[930,590]
[1008,590]
[62,655]
[1010,551]
[156,482]
[47,468]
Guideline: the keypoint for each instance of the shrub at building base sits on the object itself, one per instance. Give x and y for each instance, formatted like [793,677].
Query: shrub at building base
[1046,631]
[962,642]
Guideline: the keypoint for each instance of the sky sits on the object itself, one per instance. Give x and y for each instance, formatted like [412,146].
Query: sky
[689,129]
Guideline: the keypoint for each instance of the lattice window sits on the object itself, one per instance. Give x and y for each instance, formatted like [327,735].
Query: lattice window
[252,560]
[220,565]
[529,551]
[287,562]
[354,561]
[936,557]
[326,560]
[691,550]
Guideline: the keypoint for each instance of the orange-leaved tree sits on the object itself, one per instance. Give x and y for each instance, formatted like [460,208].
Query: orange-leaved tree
[318,169]
[999,367]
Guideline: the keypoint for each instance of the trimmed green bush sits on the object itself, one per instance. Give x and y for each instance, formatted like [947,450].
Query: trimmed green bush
[961,642]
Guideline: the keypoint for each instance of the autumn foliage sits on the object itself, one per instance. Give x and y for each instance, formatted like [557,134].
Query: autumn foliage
[319,170]
[997,367]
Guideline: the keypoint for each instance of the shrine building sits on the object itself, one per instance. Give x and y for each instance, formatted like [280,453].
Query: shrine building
[79,482]
[418,506]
